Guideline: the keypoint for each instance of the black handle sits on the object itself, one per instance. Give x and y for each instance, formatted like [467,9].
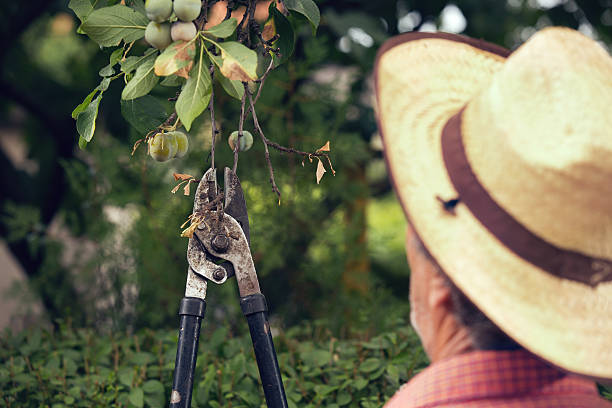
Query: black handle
[255,309]
[192,313]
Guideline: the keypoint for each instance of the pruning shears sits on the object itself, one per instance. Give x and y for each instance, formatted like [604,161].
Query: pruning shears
[219,249]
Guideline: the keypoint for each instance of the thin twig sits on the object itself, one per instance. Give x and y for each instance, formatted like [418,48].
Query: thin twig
[213,125]
[262,80]
[240,128]
[252,7]
[245,17]
[265,142]
[169,121]
[228,13]
[283,9]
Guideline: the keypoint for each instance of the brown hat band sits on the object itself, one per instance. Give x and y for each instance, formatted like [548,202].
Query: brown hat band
[562,263]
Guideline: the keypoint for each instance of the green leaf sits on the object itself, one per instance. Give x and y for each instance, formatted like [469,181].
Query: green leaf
[113,60]
[137,397]
[109,25]
[286,40]
[323,389]
[141,358]
[393,373]
[177,59]
[102,86]
[196,92]
[107,71]
[83,105]
[237,62]
[81,8]
[144,80]
[370,365]
[126,376]
[153,387]
[360,383]
[343,398]
[172,81]
[115,56]
[86,120]
[145,113]
[131,63]
[223,29]
[308,9]
[137,5]
[317,358]
[232,88]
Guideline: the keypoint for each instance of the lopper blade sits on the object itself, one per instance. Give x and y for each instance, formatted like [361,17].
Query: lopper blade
[235,205]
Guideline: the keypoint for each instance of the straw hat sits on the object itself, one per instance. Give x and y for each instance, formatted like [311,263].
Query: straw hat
[503,165]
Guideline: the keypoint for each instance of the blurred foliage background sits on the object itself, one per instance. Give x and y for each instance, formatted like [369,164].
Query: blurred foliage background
[97,231]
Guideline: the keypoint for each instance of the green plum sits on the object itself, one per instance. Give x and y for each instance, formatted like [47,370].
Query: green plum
[182,143]
[158,35]
[246,141]
[163,147]
[158,10]
[187,10]
[185,31]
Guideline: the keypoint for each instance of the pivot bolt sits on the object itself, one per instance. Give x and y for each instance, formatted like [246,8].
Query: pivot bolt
[218,274]
[220,243]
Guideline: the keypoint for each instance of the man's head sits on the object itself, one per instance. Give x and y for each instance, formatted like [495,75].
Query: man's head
[501,161]
[444,318]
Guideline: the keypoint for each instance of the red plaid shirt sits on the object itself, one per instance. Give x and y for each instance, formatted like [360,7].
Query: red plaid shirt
[496,379]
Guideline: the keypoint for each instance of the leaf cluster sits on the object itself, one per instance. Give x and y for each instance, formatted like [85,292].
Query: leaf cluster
[188,66]
[76,367]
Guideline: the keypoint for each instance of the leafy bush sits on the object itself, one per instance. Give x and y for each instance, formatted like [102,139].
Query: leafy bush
[78,368]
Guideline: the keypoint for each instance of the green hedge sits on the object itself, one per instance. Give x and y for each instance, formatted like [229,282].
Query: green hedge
[77,368]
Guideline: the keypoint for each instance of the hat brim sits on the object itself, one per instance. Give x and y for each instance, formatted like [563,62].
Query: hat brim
[422,80]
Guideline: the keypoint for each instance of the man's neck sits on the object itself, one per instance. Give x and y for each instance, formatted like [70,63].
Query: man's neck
[451,339]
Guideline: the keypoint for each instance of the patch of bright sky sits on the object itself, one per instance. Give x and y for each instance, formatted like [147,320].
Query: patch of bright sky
[360,37]
[344,44]
[409,21]
[452,19]
[428,27]
[545,4]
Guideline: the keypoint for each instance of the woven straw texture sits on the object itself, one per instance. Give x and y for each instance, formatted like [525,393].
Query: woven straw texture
[537,133]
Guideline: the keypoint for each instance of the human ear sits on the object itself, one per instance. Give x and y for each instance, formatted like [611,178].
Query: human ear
[439,292]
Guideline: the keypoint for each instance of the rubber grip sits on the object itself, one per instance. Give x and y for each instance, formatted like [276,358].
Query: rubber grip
[267,362]
[191,312]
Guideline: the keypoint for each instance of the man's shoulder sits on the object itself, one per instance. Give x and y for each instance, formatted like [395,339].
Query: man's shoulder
[497,379]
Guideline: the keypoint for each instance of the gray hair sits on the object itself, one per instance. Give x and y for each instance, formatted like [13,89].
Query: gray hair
[485,335]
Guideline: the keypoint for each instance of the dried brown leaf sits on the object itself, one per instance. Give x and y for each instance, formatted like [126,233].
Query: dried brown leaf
[320,170]
[330,166]
[181,176]
[188,232]
[175,189]
[176,59]
[324,148]
[138,142]
[186,188]
[269,30]
[184,72]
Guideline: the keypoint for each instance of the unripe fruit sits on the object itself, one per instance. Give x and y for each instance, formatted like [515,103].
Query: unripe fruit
[187,10]
[163,146]
[158,35]
[246,141]
[182,143]
[183,31]
[158,10]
